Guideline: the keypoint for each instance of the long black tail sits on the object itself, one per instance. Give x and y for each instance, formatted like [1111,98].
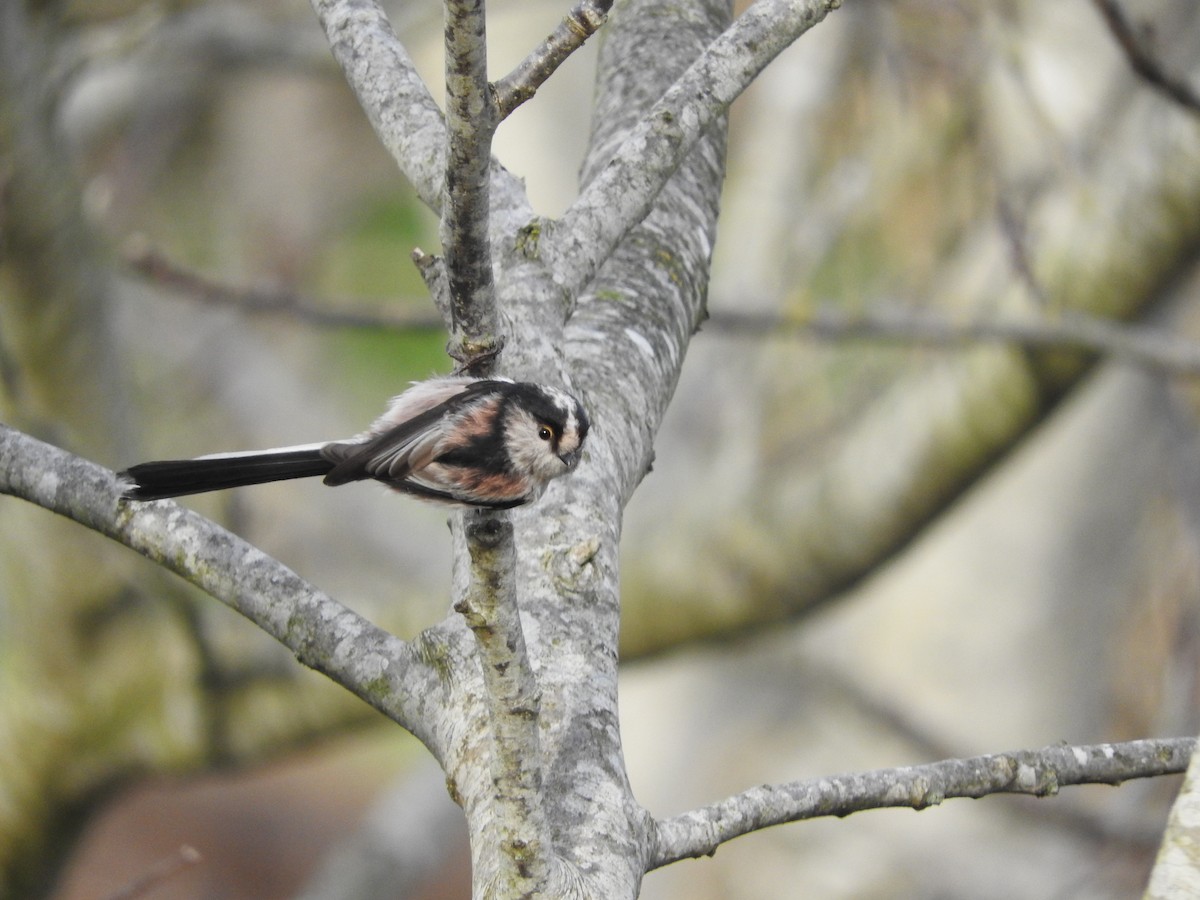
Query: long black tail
[177,477]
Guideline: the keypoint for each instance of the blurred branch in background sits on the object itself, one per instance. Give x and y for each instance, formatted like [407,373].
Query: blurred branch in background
[890,323]
[1111,244]
[1142,58]
[160,270]
[1067,330]
[408,839]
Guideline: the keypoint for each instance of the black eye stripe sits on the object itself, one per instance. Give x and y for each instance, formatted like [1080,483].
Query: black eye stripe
[544,410]
[557,411]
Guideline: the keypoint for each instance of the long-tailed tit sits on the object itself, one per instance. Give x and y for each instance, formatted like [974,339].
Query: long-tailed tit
[490,443]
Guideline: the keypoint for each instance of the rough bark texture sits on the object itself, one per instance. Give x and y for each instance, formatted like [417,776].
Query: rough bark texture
[1176,874]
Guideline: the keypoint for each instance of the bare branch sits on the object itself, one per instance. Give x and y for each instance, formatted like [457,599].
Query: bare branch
[395,99]
[522,83]
[489,607]
[324,635]
[519,833]
[1174,873]
[1013,227]
[1142,60]
[1063,331]
[466,244]
[433,272]
[621,195]
[165,272]
[1037,772]
[219,34]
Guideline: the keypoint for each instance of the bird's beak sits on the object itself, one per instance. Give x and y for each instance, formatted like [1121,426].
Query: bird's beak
[570,460]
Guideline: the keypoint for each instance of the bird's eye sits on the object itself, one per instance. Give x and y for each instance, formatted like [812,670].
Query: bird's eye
[544,432]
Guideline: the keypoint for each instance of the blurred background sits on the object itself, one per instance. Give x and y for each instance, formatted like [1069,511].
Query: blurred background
[855,550]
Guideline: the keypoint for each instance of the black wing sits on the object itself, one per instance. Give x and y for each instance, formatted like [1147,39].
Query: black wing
[402,449]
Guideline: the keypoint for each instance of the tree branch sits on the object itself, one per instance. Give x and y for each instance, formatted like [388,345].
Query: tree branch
[395,99]
[326,313]
[510,833]
[324,635]
[623,192]
[1176,866]
[466,210]
[1142,61]
[1112,251]
[567,547]
[1037,772]
[1064,330]
[490,609]
[519,85]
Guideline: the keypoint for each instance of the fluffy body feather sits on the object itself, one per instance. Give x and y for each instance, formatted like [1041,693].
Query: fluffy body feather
[467,441]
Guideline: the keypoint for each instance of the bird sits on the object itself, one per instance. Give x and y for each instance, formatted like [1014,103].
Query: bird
[490,443]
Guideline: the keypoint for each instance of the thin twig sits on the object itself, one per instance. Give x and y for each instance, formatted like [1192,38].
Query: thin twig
[432,270]
[1143,61]
[1083,821]
[165,272]
[1037,772]
[1012,227]
[519,85]
[1061,331]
